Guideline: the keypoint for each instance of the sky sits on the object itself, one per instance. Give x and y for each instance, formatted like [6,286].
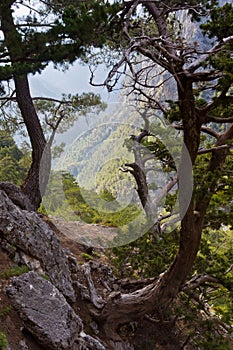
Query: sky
[53,82]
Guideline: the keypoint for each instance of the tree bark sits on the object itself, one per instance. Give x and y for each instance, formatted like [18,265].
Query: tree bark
[38,174]
[155,297]
[123,308]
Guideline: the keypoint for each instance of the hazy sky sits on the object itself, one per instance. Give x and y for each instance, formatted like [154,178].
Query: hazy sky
[52,82]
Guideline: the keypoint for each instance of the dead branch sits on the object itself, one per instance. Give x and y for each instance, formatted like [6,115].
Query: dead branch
[210,131]
[37,98]
[204,129]
[97,300]
[219,120]
[208,150]
[167,188]
[198,281]
[132,284]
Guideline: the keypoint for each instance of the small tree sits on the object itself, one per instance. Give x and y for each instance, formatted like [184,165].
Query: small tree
[29,43]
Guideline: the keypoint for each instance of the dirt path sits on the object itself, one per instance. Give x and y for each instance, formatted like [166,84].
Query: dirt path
[98,236]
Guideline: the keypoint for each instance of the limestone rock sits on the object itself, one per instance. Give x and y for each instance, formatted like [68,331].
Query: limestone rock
[16,195]
[45,311]
[86,342]
[48,316]
[28,232]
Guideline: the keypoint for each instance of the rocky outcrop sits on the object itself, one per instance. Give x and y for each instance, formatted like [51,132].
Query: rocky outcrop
[47,314]
[27,232]
[16,195]
[44,297]
[43,303]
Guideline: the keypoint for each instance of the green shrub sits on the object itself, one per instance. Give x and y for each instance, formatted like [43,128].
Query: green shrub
[14,271]
[5,311]
[3,341]
[87,256]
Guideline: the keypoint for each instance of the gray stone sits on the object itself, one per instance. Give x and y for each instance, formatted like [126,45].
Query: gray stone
[23,345]
[86,342]
[28,232]
[16,195]
[45,312]
[43,305]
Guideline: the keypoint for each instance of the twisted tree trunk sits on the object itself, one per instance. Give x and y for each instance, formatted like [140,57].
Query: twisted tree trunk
[155,297]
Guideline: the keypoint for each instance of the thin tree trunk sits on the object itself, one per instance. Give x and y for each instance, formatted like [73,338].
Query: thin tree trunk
[37,177]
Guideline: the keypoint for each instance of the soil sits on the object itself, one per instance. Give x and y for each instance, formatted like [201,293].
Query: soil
[88,234]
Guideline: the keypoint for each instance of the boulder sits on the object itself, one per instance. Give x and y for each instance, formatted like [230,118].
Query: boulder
[29,233]
[16,195]
[47,314]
